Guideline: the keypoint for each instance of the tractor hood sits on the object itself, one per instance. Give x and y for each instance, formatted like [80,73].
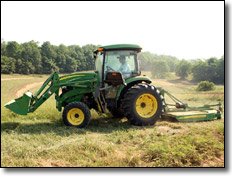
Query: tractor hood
[81,78]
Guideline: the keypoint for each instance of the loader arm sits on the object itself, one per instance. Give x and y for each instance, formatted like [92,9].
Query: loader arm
[29,102]
[38,99]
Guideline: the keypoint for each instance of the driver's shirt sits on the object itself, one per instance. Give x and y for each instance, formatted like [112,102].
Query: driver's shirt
[125,69]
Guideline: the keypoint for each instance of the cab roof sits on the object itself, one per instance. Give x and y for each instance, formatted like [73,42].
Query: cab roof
[120,47]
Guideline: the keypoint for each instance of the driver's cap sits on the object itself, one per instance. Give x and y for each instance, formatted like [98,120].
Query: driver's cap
[121,57]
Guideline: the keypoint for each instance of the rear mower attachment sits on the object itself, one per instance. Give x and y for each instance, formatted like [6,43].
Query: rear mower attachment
[183,113]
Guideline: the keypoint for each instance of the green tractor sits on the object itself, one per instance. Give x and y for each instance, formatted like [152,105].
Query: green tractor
[116,85]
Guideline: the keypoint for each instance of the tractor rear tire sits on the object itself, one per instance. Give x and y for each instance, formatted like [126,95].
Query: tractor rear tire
[142,105]
[76,114]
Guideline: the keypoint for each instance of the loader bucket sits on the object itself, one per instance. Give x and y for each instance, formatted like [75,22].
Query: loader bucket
[21,104]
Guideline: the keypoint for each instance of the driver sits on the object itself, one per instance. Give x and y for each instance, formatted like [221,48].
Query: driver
[125,67]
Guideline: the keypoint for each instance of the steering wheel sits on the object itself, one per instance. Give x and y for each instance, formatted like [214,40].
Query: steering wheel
[109,68]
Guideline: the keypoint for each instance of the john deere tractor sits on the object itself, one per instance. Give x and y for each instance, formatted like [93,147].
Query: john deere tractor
[116,85]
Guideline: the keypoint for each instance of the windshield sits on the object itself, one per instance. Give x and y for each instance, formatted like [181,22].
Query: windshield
[122,61]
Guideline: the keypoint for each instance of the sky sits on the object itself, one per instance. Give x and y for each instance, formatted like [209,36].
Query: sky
[184,29]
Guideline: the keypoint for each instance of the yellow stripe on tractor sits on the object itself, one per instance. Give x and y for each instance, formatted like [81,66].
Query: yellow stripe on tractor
[66,77]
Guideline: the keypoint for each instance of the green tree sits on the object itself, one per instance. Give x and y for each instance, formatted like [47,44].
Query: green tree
[31,58]
[48,66]
[61,63]
[3,48]
[60,60]
[199,71]
[48,50]
[7,65]
[210,70]
[71,64]
[88,53]
[49,55]
[76,52]
[19,66]
[145,60]
[13,49]
[205,86]
[183,69]
[171,61]
[159,69]
[220,78]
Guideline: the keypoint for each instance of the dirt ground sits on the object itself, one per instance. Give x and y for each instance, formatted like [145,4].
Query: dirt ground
[6,79]
[27,87]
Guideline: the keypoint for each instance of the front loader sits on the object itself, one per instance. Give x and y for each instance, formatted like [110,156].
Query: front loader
[116,85]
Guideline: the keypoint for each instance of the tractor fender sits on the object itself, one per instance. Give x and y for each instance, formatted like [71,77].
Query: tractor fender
[129,83]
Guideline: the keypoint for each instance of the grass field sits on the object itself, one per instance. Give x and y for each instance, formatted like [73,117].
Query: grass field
[42,140]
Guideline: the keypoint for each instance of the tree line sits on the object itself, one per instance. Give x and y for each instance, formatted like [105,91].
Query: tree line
[211,69]
[30,58]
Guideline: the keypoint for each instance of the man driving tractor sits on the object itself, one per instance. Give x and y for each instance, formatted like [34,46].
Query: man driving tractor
[125,67]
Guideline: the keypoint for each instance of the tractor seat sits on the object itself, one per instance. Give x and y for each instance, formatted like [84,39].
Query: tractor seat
[114,78]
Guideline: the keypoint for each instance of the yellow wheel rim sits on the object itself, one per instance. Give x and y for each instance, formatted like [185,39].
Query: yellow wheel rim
[75,116]
[146,105]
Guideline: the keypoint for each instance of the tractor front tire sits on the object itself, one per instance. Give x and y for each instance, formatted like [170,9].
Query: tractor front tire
[142,105]
[76,114]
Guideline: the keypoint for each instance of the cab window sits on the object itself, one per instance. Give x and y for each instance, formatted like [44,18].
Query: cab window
[122,61]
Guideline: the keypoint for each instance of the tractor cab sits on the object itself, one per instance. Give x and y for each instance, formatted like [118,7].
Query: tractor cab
[116,62]
[117,70]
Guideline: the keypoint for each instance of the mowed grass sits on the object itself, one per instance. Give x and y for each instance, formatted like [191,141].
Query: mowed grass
[41,139]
